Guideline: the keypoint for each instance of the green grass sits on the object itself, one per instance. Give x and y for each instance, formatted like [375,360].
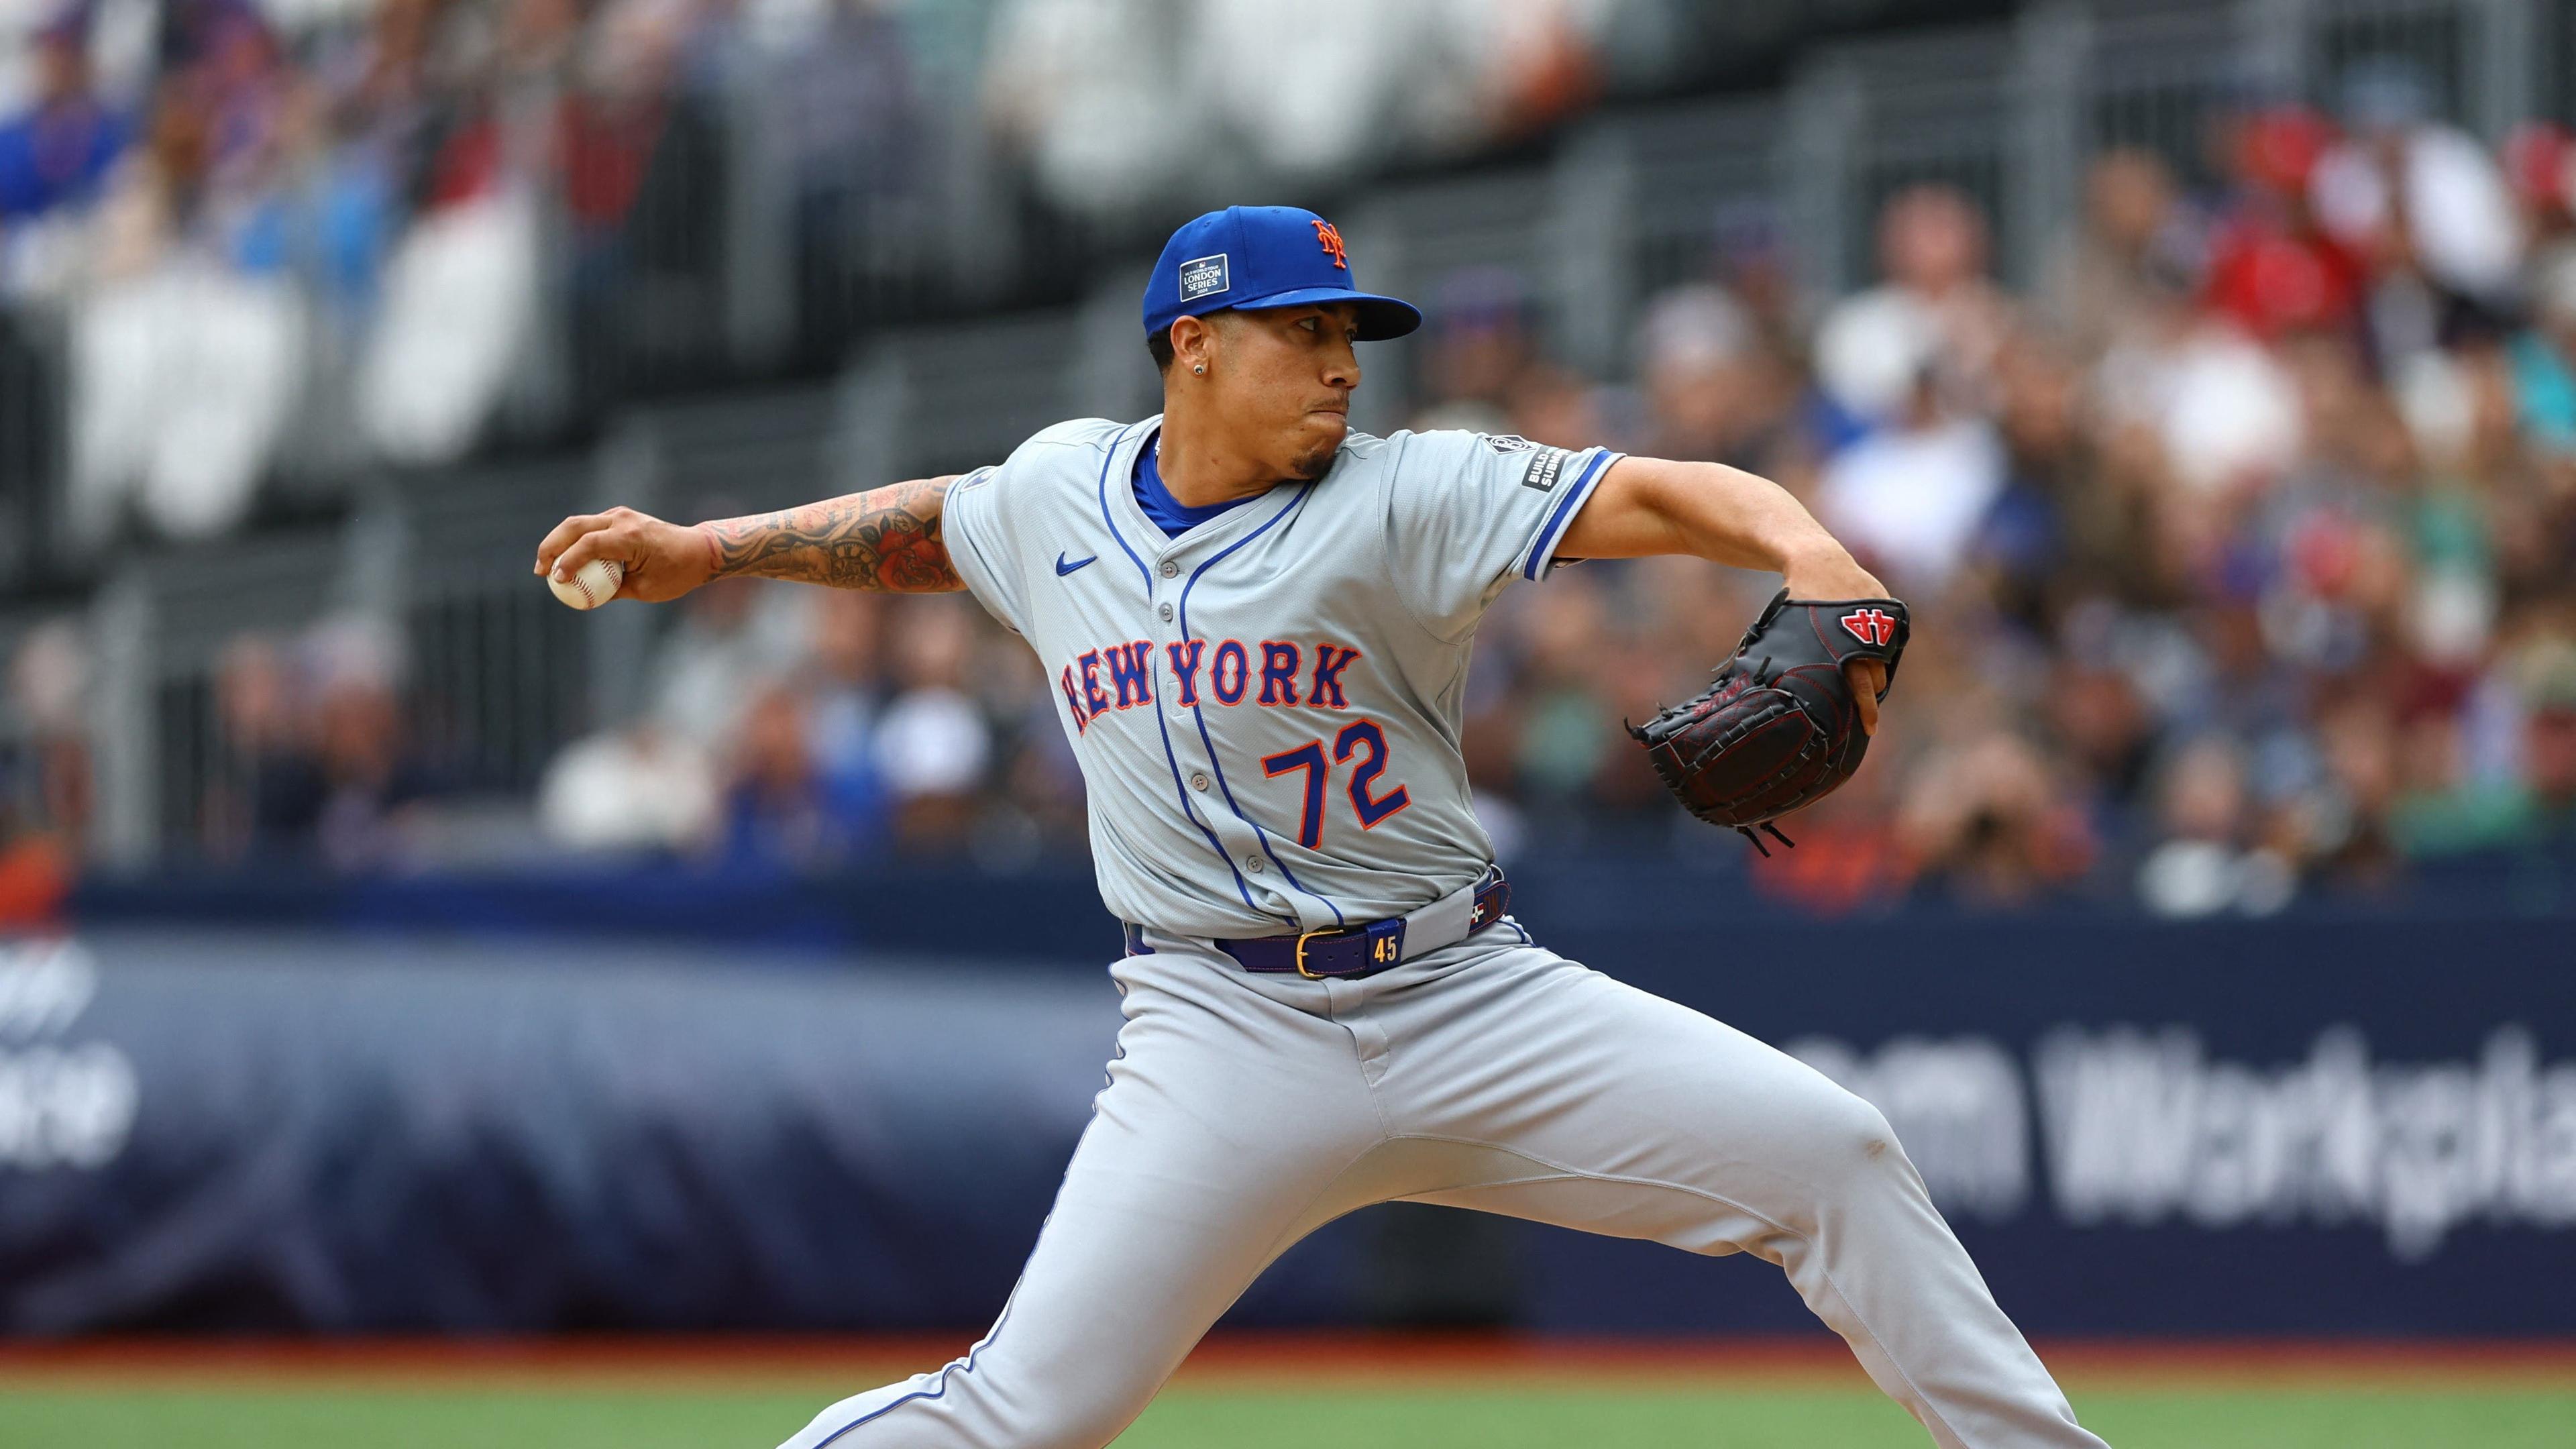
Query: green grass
[1215,1418]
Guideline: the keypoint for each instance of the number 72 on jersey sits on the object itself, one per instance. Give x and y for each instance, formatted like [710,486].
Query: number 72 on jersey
[1361,738]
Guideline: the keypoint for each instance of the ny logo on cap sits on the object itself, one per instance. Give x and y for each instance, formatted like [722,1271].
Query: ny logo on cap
[1330,237]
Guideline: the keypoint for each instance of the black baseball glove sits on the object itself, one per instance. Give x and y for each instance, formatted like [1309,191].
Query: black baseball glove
[1780,728]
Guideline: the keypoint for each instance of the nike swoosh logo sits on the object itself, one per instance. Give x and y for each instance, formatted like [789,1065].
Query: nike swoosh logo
[1062,568]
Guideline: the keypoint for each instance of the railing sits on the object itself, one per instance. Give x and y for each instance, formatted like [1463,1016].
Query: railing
[497,668]
[21,794]
[2558,65]
[31,438]
[1684,179]
[158,632]
[2150,82]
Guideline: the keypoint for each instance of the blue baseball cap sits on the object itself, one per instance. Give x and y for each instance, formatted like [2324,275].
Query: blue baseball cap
[1263,256]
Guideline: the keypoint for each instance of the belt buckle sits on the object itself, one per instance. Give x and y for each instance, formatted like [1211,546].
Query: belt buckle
[1305,936]
[1385,946]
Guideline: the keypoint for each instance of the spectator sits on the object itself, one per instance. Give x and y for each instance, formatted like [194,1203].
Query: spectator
[461,287]
[2225,413]
[2533,808]
[641,791]
[933,744]
[1994,827]
[55,155]
[2540,165]
[643,182]
[1696,365]
[2273,266]
[2544,360]
[2073,506]
[2547,814]
[35,867]
[2204,867]
[1753,260]
[1075,88]
[1480,351]
[2132,257]
[45,803]
[372,775]
[1937,312]
[733,635]
[187,356]
[2103,728]
[1564,735]
[782,811]
[318,764]
[266,791]
[848,684]
[1909,498]
[849,110]
[2426,201]
[48,693]
[1553,405]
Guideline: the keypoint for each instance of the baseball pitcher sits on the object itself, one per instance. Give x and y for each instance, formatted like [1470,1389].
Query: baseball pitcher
[1256,624]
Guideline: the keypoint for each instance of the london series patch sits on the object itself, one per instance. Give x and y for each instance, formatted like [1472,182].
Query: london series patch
[1203,277]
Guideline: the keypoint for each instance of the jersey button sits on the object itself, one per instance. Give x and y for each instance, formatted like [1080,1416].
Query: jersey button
[1198,782]
[1171,570]
[1252,863]
[1167,613]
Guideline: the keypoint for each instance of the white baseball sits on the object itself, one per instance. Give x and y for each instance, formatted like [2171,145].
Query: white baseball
[593,584]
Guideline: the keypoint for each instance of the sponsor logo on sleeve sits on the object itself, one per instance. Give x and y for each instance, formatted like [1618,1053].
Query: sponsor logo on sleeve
[1204,277]
[1545,467]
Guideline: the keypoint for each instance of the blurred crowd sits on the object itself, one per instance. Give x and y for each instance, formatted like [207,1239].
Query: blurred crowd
[2242,546]
[2242,550]
[298,235]
[313,232]
[2243,555]
[791,728]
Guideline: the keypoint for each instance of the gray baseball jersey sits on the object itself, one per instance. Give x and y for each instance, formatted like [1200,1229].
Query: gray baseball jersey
[1267,708]
[1267,715]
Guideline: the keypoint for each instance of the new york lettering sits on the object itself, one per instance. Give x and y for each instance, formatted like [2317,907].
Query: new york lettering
[1275,673]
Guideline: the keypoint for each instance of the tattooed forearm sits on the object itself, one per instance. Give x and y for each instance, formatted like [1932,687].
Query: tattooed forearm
[887,539]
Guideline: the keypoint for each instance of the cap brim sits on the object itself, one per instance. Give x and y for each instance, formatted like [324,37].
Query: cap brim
[1380,317]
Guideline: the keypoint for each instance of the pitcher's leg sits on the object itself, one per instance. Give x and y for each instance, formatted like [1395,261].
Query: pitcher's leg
[1227,1125]
[1619,1112]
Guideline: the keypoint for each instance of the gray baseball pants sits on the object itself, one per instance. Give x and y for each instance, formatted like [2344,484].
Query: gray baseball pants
[1245,1111]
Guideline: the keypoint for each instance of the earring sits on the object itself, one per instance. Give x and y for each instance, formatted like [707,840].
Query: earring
[1201,369]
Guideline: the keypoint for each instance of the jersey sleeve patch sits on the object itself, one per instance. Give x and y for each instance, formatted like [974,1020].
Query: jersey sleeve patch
[1542,548]
[1546,467]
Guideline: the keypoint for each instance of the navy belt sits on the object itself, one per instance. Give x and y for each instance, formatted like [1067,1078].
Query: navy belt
[1350,952]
